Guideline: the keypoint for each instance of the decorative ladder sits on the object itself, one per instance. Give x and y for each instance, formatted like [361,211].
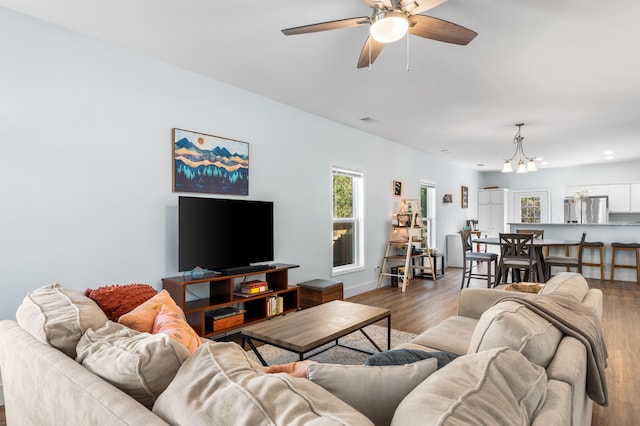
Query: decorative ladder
[406,221]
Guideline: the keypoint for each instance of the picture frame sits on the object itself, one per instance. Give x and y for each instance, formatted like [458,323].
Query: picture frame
[404,220]
[209,164]
[464,197]
[447,198]
[397,188]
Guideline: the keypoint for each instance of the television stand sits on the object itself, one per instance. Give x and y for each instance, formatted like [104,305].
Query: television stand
[221,288]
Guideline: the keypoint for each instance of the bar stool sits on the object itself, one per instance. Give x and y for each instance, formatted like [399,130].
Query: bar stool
[596,245]
[615,247]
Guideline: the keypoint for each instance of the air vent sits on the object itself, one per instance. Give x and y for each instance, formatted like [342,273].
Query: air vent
[368,120]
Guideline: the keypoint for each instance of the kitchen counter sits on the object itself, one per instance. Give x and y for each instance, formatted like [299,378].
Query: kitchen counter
[621,232]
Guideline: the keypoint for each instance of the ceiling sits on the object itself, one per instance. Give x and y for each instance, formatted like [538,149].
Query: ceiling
[569,70]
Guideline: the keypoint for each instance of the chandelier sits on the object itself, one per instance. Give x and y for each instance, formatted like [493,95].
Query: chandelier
[525,164]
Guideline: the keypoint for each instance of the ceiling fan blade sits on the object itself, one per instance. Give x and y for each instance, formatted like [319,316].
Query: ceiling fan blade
[327,26]
[422,5]
[440,30]
[369,53]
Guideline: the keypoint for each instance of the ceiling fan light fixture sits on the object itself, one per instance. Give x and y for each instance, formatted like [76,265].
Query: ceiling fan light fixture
[388,26]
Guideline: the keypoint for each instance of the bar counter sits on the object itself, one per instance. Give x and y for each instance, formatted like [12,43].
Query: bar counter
[621,232]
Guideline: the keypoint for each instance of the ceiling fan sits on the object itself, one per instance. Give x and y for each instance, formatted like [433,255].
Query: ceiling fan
[390,20]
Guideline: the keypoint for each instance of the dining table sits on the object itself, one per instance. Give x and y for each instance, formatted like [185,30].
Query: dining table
[538,245]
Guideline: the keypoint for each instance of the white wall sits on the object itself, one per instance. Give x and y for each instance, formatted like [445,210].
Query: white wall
[86,177]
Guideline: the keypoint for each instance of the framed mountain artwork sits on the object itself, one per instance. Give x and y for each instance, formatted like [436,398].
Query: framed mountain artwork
[209,164]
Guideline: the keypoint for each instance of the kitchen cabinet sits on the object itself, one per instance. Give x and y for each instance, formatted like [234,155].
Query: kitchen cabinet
[492,211]
[619,198]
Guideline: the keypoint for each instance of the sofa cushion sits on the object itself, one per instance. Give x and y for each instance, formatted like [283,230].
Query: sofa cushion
[58,316]
[494,387]
[140,364]
[142,317]
[571,283]
[175,326]
[219,384]
[375,391]
[117,300]
[512,325]
[451,335]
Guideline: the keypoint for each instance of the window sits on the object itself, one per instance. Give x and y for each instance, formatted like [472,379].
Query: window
[348,246]
[531,206]
[428,207]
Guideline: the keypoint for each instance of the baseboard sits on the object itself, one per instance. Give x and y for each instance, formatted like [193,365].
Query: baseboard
[361,288]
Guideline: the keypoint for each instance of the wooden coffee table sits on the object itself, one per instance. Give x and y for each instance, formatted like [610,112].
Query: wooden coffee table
[306,330]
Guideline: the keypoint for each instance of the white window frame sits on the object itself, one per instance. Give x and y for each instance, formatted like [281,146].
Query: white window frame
[430,216]
[545,207]
[357,219]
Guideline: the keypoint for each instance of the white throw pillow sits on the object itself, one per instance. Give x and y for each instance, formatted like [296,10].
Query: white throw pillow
[375,391]
[140,364]
[58,316]
[220,385]
[495,387]
[513,325]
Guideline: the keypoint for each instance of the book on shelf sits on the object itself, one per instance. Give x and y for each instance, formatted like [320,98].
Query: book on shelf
[241,294]
[253,284]
[275,305]
[254,290]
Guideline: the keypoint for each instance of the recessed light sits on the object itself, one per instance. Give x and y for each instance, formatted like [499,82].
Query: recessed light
[369,120]
[444,151]
[544,163]
[608,152]
[480,165]
[609,157]
[539,158]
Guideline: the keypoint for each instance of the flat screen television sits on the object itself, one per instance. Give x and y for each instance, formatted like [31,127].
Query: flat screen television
[215,233]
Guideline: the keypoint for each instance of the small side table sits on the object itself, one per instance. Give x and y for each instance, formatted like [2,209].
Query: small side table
[319,291]
[438,258]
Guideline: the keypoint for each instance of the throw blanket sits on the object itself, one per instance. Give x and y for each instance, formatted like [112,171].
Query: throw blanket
[581,322]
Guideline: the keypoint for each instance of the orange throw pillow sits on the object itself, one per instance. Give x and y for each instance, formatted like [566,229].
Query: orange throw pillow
[117,300]
[174,325]
[142,317]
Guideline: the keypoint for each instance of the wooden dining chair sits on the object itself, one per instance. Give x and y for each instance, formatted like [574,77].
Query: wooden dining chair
[538,234]
[517,256]
[566,261]
[470,257]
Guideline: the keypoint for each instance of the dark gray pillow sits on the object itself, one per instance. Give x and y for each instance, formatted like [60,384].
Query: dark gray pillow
[408,356]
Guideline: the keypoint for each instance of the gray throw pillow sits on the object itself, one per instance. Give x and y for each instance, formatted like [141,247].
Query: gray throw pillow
[408,356]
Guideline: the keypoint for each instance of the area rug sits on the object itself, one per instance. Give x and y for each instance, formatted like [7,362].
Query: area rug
[338,354]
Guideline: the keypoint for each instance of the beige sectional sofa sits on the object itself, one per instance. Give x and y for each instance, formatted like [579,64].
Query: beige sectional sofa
[480,323]
[54,373]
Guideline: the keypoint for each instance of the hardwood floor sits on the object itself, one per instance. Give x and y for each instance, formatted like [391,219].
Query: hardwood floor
[426,303]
